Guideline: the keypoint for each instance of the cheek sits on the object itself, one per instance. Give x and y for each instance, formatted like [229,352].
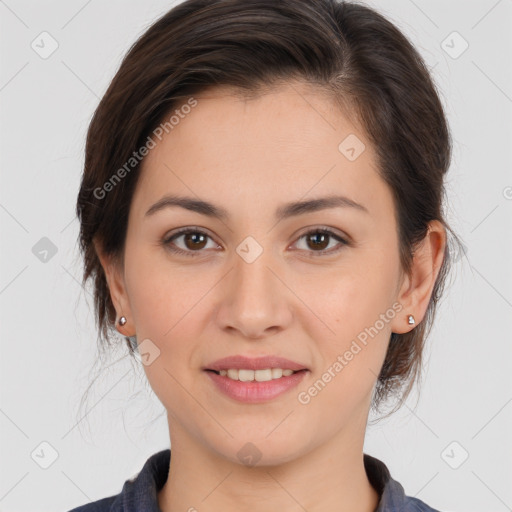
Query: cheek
[355,302]
[359,313]
[349,299]
[168,306]
[160,292]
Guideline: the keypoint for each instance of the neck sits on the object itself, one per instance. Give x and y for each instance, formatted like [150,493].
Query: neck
[326,478]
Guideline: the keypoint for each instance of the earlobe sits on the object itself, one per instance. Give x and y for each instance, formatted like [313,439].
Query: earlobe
[117,290]
[417,288]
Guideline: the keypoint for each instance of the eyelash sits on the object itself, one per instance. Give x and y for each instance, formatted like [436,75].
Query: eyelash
[321,230]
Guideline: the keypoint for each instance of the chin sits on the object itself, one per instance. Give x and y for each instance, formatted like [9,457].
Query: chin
[260,450]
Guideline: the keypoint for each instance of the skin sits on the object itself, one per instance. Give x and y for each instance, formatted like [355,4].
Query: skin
[250,157]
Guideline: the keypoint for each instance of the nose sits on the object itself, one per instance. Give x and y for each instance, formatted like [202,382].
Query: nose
[255,301]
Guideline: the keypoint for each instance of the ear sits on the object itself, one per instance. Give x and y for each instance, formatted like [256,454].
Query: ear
[115,279]
[416,288]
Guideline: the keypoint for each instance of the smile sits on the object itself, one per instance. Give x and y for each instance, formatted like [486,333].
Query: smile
[255,386]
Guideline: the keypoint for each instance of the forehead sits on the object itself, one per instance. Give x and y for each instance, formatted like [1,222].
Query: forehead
[276,146]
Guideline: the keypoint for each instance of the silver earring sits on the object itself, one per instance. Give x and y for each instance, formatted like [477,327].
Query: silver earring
[122,320]
[411,320]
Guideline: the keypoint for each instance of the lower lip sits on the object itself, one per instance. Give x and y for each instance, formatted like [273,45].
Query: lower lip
[256,392]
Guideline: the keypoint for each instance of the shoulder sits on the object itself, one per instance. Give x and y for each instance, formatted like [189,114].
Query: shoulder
[138,493]
[394,498]
[391,492]
[416,505]
[103,505]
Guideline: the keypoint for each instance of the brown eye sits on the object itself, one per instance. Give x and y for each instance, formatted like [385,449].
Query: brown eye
[192,241]
[318,240]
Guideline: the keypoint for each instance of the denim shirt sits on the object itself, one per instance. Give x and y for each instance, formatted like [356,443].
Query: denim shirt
[139,494]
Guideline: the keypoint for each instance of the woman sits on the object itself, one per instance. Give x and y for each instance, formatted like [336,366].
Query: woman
[261,213]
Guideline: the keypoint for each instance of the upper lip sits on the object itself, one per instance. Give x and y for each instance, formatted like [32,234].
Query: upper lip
[254,363]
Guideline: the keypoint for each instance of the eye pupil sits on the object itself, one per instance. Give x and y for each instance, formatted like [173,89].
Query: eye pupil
[323,237]
[193,237]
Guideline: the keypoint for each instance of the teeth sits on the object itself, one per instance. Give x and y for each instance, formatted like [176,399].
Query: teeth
[257,375]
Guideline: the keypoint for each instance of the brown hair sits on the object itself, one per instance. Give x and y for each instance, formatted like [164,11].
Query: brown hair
[343,48]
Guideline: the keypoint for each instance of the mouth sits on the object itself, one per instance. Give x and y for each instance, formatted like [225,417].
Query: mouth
[247,363]
[263,375]
[251,379]
[255,386]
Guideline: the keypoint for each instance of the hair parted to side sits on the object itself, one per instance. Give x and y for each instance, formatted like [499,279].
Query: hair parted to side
[347,50]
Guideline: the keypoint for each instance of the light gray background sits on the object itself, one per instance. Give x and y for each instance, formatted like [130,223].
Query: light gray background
[48,334]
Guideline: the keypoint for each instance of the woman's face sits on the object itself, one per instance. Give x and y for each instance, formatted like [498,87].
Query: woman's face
[254,283]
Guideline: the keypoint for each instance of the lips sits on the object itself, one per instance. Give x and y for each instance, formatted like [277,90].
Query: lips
[255,392]
[254,363]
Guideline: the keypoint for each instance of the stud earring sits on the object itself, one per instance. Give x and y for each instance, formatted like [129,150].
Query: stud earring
[122,320]
[411,320]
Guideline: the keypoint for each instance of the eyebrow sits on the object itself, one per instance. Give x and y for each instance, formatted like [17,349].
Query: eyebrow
[283,212]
